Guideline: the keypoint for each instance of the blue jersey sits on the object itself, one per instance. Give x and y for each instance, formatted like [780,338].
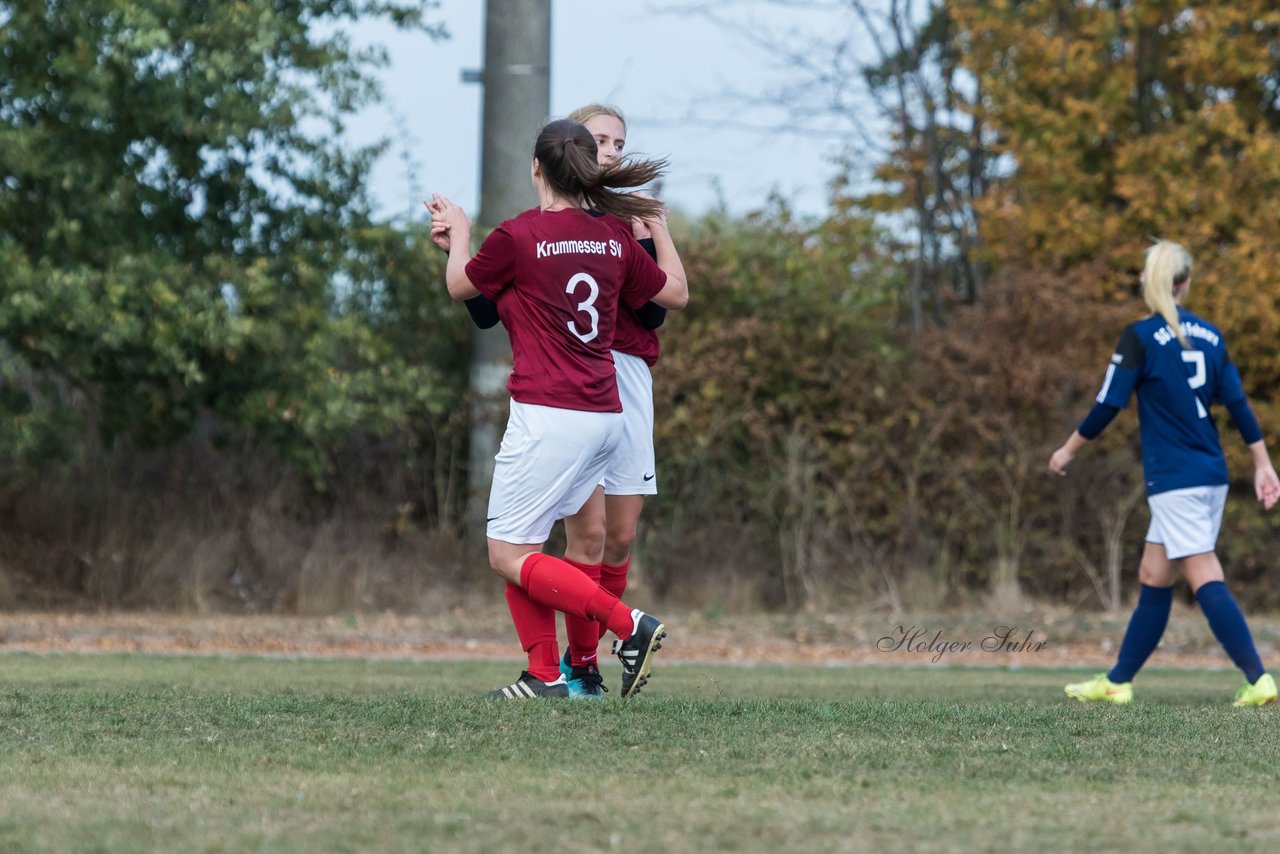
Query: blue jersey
[1176,388]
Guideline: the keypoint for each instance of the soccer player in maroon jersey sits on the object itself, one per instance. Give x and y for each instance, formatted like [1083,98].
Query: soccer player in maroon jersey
[600,535]
[557,275]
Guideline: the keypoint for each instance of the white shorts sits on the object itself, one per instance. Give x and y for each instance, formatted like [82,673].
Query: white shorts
[550,462]
[1186,521]
[631,469]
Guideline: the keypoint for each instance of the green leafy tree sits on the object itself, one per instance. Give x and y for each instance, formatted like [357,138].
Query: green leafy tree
[182,232]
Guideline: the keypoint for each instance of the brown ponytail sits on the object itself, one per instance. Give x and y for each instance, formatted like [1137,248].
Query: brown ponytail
[566,151]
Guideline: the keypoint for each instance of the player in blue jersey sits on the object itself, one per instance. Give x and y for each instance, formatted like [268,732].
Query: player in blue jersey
[1177,364]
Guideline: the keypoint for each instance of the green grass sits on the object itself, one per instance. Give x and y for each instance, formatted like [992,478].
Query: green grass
[124,753]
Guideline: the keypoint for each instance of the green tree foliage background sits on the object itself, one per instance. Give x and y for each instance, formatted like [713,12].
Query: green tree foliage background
[183,237]
[195,291]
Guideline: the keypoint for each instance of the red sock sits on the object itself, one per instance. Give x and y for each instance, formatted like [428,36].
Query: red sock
[584,635]
[613,579]
[550,581]
[536,628]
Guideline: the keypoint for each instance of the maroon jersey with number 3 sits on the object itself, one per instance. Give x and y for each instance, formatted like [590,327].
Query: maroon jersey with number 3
[557,278]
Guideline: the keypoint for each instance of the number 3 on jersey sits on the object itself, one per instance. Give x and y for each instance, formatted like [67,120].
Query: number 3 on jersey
[1197,379]
[587,306]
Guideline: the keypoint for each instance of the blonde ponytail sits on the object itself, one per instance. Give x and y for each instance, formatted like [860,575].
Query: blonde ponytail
[1168,266]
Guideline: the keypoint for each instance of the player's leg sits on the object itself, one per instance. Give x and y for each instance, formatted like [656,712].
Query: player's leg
[622,513]
[535,625]
[631,454]
[550,581]
[585,537]
[1150,617]
[631,473]
[547,470]
[1201,518]
[517,513]
[545,584]
[622,517]
[1146,625]
[1204,574]
[538,468]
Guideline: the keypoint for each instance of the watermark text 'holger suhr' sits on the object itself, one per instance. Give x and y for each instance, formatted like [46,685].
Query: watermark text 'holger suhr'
[920,641]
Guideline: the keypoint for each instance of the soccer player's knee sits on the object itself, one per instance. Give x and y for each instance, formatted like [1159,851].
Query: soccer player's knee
[499,564]
[618,544]
[1153,573]
[589,543]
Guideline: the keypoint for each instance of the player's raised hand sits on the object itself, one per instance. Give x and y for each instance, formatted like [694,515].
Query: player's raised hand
[439,230]
[1267,486]
[642,228]
[447,212]
[447,219]
[438,203]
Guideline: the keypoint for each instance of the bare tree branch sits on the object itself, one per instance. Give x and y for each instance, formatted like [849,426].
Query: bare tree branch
[886,84]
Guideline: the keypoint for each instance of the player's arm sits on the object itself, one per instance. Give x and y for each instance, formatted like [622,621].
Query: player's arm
[651,315]
[1121,377]
[1094,423]
[455,272]
[1266,484]
[451,229]
[483,311]
[1230,393]
[675,291]
[1066,453]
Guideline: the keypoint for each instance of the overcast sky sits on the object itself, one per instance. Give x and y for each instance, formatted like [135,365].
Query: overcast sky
[665,71]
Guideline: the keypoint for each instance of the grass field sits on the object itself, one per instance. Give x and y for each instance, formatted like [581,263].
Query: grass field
[130,752]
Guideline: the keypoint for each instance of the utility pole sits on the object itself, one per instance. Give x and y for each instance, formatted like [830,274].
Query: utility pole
[517,99]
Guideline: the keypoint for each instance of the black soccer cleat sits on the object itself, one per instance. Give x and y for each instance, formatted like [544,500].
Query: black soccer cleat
[636,652]
[528,688]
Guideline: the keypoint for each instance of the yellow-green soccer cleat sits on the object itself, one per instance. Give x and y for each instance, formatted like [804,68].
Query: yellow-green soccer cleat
[1258,694]
[1101,689]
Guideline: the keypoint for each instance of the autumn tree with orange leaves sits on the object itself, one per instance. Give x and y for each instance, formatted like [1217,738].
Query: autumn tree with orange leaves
[1116,122]
[1122,121]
